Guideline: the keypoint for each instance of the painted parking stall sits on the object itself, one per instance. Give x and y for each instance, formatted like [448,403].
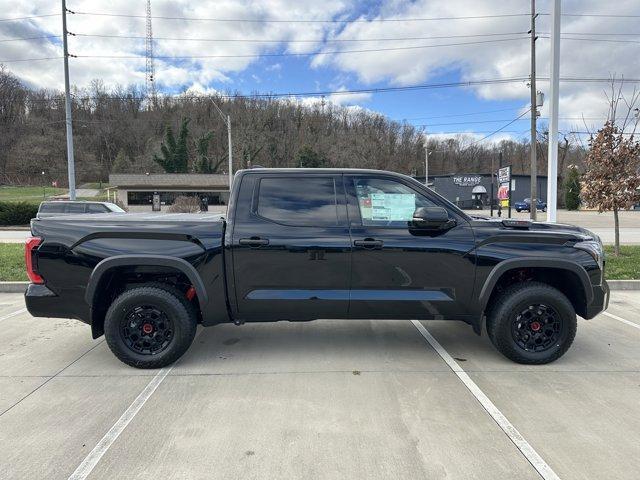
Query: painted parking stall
[339,398]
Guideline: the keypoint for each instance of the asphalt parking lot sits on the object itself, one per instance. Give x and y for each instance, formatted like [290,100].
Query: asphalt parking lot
[325,399]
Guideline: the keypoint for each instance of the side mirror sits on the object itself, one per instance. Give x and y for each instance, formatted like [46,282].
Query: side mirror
[432,218]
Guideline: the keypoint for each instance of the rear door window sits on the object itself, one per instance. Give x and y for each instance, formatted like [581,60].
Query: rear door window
[96,208]
[298,201]
[52,208]
[75,207]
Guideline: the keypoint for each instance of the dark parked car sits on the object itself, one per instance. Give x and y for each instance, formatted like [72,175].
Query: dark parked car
[525,205]
[304,244]
[64,207]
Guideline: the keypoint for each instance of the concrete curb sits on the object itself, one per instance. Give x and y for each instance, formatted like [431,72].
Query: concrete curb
[13,287]
[20,287]
[624,284]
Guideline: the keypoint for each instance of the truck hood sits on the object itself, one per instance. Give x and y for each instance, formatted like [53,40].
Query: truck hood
[580,234]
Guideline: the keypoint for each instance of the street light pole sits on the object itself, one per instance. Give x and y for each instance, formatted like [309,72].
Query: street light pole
[230,152]
[227,120]
[67,95]
[426,166]
[552,172]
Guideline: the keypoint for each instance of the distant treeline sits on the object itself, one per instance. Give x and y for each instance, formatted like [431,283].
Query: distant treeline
[117,130]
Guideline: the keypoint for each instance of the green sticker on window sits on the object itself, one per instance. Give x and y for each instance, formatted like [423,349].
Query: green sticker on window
[392,206]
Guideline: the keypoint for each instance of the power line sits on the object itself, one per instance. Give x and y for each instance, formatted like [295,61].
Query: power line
[500,120]
[297,20]
[469,83]
[463,114]
[2,40]
[17,19]
[464,123]
[501,128]
[596,33]
[290,54]
[337,40]
[16,60]
[607,40]
[604,15]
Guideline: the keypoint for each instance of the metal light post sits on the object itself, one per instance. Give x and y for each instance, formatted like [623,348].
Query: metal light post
[227,120]
[230,152]
[552,173]
[426,166]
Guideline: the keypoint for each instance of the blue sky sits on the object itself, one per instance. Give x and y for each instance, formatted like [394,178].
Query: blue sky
[494,46]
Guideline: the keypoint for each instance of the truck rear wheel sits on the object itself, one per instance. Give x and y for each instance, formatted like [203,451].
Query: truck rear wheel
[150,326]
[532,323]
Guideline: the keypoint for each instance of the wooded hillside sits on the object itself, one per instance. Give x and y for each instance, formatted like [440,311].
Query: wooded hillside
[116,130]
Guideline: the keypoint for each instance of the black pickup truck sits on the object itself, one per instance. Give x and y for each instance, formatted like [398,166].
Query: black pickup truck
[304,244]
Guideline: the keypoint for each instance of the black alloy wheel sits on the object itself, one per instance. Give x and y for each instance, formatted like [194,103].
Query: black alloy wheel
[146,330]
[150,326]
[532,323]
[537,328]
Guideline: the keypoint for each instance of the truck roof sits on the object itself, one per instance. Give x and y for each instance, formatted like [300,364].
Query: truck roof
[367,171]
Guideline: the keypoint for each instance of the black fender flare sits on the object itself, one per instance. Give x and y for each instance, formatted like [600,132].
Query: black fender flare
[512,264]
[146,260]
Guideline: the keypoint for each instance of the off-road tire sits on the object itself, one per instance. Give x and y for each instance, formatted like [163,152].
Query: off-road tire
[166,299]
[516,299]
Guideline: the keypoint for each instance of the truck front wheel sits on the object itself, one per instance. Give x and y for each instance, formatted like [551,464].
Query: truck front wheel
[149,326]
[532,323]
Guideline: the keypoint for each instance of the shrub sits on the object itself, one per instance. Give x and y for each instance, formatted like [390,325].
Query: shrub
[185,205]
[17,213]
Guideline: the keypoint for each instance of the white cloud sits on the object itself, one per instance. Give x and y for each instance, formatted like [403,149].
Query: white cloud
[391,67]
[169,73]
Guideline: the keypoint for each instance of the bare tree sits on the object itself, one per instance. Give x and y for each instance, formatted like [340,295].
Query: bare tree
[612,177]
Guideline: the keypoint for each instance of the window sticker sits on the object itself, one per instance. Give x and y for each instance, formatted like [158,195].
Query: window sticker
[389,206]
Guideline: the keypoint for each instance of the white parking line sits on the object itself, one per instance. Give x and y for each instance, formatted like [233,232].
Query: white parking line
[545,471]
[13,314]
[620,319]
[94,456]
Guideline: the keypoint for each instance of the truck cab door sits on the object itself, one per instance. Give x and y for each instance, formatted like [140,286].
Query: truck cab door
[398,270]
[290,247]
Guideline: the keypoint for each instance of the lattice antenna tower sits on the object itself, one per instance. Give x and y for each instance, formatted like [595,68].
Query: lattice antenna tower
[150,74]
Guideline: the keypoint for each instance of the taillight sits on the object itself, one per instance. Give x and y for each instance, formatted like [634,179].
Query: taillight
[29,247]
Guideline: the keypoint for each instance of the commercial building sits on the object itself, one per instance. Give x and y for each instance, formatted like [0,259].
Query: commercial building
[473,190]
[136,191]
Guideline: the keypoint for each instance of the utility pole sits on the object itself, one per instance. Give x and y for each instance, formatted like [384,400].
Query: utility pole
[67,96]
[533,211]
[492,191]
[552,173]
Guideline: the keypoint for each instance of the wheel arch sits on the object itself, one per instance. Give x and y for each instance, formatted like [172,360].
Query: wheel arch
[567,276]
[101,275]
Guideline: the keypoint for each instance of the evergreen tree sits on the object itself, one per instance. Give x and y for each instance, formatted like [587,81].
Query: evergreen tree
[174,156]
[203,162]
[122,163]
[572,188]
[308,158]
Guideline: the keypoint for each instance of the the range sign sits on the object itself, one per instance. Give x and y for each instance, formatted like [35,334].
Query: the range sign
[470,181]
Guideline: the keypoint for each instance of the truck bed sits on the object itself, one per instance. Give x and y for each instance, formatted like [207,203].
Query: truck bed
[74,245]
